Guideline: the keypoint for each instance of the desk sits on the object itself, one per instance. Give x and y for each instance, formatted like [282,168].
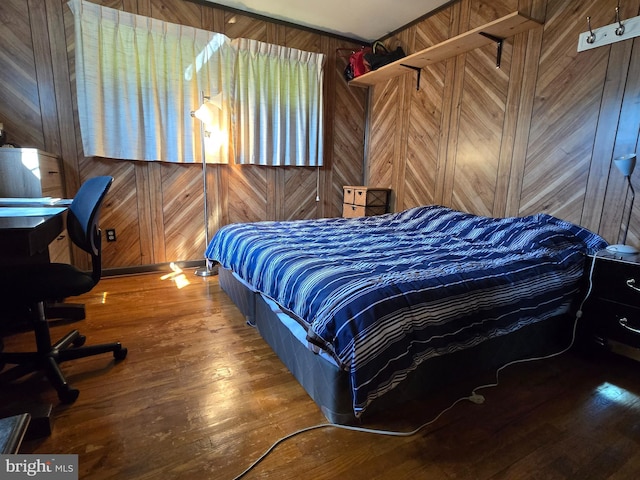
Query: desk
[25,235]
[25,239]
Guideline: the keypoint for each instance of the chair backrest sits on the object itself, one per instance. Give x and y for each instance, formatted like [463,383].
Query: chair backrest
[83,216]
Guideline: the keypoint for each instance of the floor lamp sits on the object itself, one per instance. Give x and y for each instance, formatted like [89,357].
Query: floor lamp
[626,164]
[208,113]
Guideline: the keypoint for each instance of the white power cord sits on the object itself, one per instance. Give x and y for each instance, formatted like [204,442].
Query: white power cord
[473,398]
[551,355]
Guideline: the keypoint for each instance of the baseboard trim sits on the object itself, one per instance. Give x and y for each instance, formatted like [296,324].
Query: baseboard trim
[156,267]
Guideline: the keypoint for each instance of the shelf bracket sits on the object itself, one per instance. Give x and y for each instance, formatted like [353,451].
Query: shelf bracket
[499,41]
[416,69]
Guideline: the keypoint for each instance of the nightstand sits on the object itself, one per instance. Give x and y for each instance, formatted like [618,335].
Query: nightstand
[612,311]
[359,201]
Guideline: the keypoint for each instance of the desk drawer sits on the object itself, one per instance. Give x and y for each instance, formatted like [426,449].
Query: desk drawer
[51,177]
[59,249]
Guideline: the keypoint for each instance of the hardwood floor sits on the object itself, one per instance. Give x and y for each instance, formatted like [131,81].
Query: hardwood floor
[201,396]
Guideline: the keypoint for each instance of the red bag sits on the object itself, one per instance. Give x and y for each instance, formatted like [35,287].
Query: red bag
[356,60]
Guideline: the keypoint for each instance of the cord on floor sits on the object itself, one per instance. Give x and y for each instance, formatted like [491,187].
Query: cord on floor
[473,398]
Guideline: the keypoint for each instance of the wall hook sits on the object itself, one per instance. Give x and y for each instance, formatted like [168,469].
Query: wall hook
[592,36]
[620,29]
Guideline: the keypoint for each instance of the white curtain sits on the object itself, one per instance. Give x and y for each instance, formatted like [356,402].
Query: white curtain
[139,78]
[278,113]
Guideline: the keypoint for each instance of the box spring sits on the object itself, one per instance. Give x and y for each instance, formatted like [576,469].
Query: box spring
[329,386]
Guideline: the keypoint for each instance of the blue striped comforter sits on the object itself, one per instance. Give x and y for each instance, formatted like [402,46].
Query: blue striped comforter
[382,294]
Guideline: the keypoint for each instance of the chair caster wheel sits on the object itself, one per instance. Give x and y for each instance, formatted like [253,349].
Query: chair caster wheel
[79,341]
[120,354]
[69,395]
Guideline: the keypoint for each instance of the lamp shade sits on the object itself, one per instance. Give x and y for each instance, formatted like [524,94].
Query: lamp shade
[209,110]
[626,164]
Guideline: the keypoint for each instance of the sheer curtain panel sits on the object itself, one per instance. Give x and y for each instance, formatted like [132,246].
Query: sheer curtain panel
[278,105]
[139,78]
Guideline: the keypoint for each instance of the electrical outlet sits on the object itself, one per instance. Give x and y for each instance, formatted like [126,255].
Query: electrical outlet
[111,234]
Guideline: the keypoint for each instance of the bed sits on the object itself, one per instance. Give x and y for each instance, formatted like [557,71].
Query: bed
[369,312]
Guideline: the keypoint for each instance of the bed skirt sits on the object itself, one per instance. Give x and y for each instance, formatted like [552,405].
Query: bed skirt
[329,386]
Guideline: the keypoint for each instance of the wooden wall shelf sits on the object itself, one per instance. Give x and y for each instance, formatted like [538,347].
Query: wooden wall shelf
[501,28]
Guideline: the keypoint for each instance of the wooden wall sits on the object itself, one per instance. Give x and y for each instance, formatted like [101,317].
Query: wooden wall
[536,135]
[157,208]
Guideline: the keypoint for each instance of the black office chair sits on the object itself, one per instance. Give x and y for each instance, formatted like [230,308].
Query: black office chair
[35,284]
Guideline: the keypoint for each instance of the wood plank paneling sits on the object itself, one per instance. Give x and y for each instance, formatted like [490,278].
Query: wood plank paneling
[512,107]
[19,95]
[44,73]
[157,209]
[118,211]
[64,97]
[346,133]
[524,115]
[243,26]
[480,135]
[565,115]
[608,118]
[538,135]
[616,202]
[382,133]
[426,115]
[248,196]
[183,201]
[459,21]
[402,122]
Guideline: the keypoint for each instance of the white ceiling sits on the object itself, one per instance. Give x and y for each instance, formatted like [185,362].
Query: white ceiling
[366,20]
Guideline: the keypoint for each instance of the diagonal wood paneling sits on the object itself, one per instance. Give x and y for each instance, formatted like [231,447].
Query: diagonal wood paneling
[615,209]
[183,205]
[119,210]
[426,117]
[243,26]
[479,95]
[537,136]
[19,98]
[482,12]
[248,193]
[382,133]
[184,13]
[299,193]
[565,114]
[347,135]
[168,215]
[540,141]
[480,134]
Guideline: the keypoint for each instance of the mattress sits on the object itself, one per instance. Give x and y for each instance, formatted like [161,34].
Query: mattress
[381,295]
